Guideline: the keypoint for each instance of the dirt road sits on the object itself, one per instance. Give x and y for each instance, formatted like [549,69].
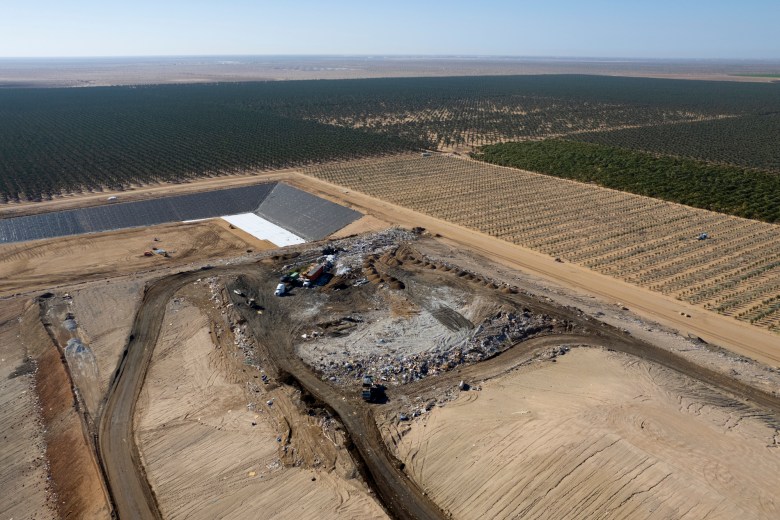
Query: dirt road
[132,495]
[723,331]
[131,492]
[401,496]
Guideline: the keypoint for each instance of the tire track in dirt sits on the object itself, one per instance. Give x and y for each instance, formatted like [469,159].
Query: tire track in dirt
[402,497]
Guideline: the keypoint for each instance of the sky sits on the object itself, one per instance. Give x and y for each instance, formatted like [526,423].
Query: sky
[708,29]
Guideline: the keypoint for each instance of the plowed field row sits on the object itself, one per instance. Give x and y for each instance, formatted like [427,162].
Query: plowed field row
[641,240]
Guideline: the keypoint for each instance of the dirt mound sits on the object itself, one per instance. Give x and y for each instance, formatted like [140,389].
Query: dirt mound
[68,451]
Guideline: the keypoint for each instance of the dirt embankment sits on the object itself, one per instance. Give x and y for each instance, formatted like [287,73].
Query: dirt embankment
[75,474]
[213,448]
[595,435]
[24,471]
[62,262]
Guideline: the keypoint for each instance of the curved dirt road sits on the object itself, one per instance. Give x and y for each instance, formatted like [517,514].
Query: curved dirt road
[132,494]
[130,489]
[133,497]
[402,498]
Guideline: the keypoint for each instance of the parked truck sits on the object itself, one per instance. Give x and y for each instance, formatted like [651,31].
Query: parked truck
[313,274]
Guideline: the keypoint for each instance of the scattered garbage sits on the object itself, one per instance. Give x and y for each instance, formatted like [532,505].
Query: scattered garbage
[494,335]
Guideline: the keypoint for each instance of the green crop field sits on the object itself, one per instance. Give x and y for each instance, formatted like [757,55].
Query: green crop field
[726,189]
[750,141]
[54,141]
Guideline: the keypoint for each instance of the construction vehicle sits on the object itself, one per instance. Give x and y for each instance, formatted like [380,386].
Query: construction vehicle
[369,391]
[313,274]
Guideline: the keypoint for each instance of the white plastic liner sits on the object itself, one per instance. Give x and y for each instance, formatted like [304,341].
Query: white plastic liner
[264,230]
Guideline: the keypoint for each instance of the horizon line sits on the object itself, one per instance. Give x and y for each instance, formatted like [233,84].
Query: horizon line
[397,56]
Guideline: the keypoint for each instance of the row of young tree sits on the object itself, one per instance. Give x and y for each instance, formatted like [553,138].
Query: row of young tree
[725,189]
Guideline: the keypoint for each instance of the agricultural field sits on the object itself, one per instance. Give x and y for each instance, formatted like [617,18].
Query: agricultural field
[749,141]
[727,189]
[644,241]
[70,140]
[60,140]
[462,112]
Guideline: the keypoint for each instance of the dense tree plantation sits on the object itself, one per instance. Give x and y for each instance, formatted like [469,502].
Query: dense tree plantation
[752,141]
[726,189]
[63,140]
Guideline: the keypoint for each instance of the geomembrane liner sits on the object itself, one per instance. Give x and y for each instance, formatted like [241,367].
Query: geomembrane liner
[304,214]
[300,213]
[120,215]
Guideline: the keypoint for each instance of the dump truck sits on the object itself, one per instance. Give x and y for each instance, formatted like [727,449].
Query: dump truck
[313,274]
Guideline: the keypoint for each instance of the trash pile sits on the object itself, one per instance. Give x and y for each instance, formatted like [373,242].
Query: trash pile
[494,335]
[353,251]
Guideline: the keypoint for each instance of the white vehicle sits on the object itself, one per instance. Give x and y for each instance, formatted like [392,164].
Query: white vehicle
[281,289]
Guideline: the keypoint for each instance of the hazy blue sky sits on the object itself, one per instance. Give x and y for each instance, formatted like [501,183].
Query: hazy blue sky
[660,28]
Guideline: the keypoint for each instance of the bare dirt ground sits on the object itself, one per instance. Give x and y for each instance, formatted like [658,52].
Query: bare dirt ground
[595,435]
[60,427]
[567,457]
[24,470]
[48,264]
[721,330]
[364,224]
[103,314]
[213,448]
[198,346]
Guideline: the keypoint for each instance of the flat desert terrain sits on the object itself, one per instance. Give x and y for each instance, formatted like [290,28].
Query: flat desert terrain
[208,69]
[48,264]
[595,435]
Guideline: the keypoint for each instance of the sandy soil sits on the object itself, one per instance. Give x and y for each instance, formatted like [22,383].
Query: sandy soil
[720,330]
[23,467]
[104,314]
[596,435]
[67,444]
[209,441]
[48,264]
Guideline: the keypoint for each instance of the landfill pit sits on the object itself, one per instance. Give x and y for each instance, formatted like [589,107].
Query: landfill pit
[383,310]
